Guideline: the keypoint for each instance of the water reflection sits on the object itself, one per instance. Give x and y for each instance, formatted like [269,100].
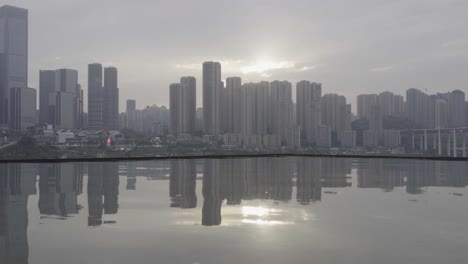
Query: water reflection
[224,184]
[17,183]
[182,184]
[103,191]
[59,188]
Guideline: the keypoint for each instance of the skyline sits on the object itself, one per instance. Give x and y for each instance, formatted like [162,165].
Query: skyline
[427,50]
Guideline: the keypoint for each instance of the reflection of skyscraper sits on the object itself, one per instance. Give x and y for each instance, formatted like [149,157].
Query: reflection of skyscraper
[382,173]
[335,172]
[111,188]
[103,191]
[309,180]
[131,175]
[182,184]
[234,182]
[59,187]
[211,211]
[280,179]
[423,173]
[18,182]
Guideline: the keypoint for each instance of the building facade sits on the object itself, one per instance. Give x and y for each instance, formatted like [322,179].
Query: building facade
[22,108]
[110,100]
[212,98]
[308,110]
[95,95]
[13,56]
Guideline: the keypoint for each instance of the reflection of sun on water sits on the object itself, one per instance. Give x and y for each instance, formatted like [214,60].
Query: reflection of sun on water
[254,211]
[259,215]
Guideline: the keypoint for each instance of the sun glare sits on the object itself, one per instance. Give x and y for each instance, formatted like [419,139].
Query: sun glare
[255,211]
[265,66]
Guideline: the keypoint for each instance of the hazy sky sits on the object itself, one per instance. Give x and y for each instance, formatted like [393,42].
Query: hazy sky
[351,47]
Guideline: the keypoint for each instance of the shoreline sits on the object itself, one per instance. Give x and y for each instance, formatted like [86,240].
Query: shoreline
[271,155]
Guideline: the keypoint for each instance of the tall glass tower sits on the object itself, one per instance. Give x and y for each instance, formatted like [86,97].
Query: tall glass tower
[13,55]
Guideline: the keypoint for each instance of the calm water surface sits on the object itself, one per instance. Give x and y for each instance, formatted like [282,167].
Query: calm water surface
[263,210]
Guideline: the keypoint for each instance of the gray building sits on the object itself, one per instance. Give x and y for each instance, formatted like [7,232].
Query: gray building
[110,99]
[336,114]
[466,113]
[441,114]
[420,108]
[174,108]
[61,99]
[391,104]
[234,105]
[46,86]
[212,95]
[95,95]
[365,105]
[188,104]
[23,111]
[61,110]
[456,104]
[13,56]
[183,106]
[280,108]
[256,109]
[131,105]
[308,110]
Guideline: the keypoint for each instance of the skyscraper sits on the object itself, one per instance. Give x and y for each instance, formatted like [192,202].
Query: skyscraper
[131,105]
[466,113]
[174,108]
[365,105]
[336,114]
[280,108]
[188,87]
[61,99]
[13,55]
[256,109]
[212,98]
[22,108]
[387,103]
[308,109]
[183,106]
[110,100]
[419,108]
[46,87]
[456,104]
[441,113]
[234,105]
[95,95]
